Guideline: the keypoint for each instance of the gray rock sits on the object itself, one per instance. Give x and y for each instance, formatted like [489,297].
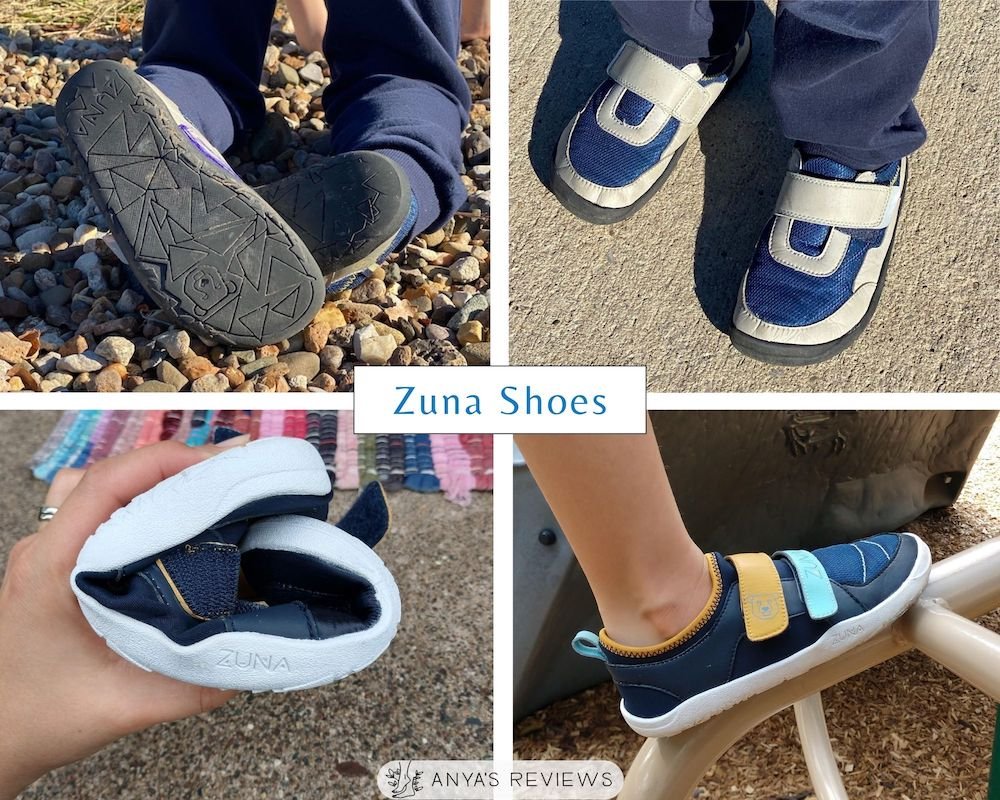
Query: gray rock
[211,383]
[116,349]
[168,373]
[45,162]
[154,386]
[56,296]
[259,365]
[311,72]
[303,364]
[478,302]
[287,75]
[330,358]
[40,234]
[5,240]
[464,269]
[88,361]
[176,342]
[26,213]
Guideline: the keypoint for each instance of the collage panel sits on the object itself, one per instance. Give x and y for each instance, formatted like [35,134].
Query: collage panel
[721,191]
[253,604]
[193,199]
[642,555]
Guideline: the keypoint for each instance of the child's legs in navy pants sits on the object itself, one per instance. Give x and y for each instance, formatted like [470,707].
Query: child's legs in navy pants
[845,71]
[396,88]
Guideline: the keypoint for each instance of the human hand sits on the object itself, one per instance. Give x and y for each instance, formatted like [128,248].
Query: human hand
[64,694]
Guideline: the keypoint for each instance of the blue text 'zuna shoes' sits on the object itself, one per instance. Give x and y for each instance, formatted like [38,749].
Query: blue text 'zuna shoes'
[767,621]
[228,575]
[819,266]
[623,145]
[204,246]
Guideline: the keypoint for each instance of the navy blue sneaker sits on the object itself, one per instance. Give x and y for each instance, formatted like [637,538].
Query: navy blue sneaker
[768,620]
[820,264]
[203,245]
[623,145]
[228,575]
[352,211]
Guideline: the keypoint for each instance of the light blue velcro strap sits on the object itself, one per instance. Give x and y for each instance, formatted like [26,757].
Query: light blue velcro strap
[589,645]
[815,583]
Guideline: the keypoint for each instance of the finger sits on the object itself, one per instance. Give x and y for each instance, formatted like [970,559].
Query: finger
[62,485]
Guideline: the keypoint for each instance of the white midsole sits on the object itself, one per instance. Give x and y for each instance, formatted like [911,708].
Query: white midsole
[839,639]
[258,661]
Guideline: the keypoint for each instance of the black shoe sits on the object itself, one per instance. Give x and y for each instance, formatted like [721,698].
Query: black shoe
[202,243]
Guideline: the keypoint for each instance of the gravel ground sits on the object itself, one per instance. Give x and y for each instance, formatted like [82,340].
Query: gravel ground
[905,730]
[429,696]
[70,321]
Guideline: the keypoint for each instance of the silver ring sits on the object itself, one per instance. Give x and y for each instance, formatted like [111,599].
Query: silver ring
[45,513]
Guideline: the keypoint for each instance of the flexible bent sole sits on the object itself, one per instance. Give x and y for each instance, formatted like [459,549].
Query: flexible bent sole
[259,662]
[348,210]
[839,639]
[784,354]
[602,215]
[208,250]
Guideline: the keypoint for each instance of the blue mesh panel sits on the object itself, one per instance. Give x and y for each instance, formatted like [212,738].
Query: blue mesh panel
[606,160]
[207,575]
[861,562]
[784,296]
[632,109]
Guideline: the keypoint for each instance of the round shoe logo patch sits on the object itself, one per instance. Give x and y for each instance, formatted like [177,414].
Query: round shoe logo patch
[765,606]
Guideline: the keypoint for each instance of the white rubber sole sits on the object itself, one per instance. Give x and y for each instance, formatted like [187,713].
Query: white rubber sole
[260,662]
[194,499]
[842,637]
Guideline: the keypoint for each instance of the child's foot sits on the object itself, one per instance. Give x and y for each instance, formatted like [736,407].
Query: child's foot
[622,146]
[204,245]
[351,211]
[820,263]
[766,622]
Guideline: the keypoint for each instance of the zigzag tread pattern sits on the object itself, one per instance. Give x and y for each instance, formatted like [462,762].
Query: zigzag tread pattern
[206,247]
[345,210]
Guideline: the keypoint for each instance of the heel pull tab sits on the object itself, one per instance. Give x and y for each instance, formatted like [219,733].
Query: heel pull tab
[587,644]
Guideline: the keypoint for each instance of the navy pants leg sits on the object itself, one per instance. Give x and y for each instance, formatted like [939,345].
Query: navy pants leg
[396,88]
[845,71]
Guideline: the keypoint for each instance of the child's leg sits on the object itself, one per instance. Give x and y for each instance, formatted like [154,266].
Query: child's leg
[684,32]
[397,90]
[845,75]
[614,503]
[207,59]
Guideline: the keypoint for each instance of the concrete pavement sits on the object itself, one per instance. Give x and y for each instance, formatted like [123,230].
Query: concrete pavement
[658,289]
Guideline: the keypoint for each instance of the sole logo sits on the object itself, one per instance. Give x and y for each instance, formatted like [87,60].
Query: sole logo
[849,633]
[247,660]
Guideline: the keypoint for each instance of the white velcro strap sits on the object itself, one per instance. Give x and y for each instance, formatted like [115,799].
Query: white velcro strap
[660,83]
[837,204]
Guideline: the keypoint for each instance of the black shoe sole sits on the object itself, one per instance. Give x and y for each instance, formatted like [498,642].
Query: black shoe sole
[348,210]
[208,250]
[802,355]
[600,215]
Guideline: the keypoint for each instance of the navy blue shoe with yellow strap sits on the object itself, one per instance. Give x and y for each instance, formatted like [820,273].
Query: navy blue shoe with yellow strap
[768,620]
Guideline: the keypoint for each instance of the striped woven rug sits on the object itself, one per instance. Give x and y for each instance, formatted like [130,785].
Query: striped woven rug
[456,464]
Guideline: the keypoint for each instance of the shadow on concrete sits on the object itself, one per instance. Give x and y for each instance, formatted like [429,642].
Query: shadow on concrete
[590,36]
[745,156]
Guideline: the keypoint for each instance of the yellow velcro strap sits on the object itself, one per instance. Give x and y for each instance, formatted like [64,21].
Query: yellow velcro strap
[761,598]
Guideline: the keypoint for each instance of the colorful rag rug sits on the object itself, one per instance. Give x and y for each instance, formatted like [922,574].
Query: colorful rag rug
[454,464]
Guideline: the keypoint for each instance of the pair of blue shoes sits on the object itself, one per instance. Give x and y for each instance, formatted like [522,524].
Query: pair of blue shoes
[768,620]
[819,266]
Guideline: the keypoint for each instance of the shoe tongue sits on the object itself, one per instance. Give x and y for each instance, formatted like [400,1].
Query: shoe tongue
[823,167]
[206,575]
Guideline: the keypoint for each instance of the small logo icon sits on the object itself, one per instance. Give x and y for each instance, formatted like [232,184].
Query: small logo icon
[764,606]
[205,286]
[247,660]
[403,779]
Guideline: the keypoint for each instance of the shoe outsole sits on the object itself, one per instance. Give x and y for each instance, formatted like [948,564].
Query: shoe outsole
[802,355]
[348,210]
[839,639]
[205,247]
[601,215]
